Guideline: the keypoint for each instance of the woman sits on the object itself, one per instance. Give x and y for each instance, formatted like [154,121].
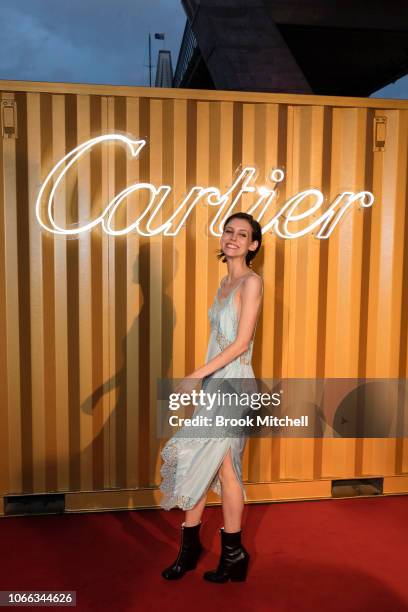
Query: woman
[192,466]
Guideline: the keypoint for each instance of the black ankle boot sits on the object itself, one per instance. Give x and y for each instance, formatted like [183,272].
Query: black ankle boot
[189,553]
[234,560]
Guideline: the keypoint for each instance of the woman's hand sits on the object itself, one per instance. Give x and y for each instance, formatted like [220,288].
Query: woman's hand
[187,384]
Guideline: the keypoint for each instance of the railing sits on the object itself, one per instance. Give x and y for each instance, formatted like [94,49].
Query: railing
[187,48]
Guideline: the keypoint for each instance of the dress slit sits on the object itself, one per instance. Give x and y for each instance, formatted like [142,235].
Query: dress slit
[214,480]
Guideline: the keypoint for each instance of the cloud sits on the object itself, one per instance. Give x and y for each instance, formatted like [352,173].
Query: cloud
[93,41]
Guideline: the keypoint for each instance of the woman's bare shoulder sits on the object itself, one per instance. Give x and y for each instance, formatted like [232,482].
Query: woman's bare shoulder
[253,275]
[254,280]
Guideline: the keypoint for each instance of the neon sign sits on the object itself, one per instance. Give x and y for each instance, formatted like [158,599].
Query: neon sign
[225,202]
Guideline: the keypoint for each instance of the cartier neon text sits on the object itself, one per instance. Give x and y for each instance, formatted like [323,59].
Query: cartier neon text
[224,202]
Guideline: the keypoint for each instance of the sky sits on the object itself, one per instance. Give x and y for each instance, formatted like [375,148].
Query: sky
[86,41]
[96,41]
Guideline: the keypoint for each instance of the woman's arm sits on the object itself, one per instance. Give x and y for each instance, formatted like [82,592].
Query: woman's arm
[251,298]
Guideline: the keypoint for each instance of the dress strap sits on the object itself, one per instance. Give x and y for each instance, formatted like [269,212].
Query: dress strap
[241,279]
[234,289]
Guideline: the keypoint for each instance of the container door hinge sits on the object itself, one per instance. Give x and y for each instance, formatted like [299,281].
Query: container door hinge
[9,118]
[380,132]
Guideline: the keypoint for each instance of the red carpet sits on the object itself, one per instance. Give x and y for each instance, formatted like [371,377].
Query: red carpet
[345,555]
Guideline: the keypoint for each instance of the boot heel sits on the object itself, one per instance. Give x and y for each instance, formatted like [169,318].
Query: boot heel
[239,572]
[191,567]
[194,563]
[233,564]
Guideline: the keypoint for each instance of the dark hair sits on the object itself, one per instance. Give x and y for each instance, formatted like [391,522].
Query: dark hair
[256,235]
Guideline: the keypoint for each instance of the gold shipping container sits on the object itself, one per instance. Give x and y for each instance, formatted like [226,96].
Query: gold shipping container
[90,321]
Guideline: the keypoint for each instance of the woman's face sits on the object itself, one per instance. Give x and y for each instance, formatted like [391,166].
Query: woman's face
[236,239]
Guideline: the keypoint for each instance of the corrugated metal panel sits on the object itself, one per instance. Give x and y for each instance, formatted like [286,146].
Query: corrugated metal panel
[90,322]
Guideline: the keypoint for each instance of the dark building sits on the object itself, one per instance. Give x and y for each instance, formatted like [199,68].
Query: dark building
[164,70]
[348,48]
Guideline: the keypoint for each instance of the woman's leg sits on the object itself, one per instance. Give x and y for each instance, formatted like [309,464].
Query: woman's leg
[193,516]
[233,563]
[232,496]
